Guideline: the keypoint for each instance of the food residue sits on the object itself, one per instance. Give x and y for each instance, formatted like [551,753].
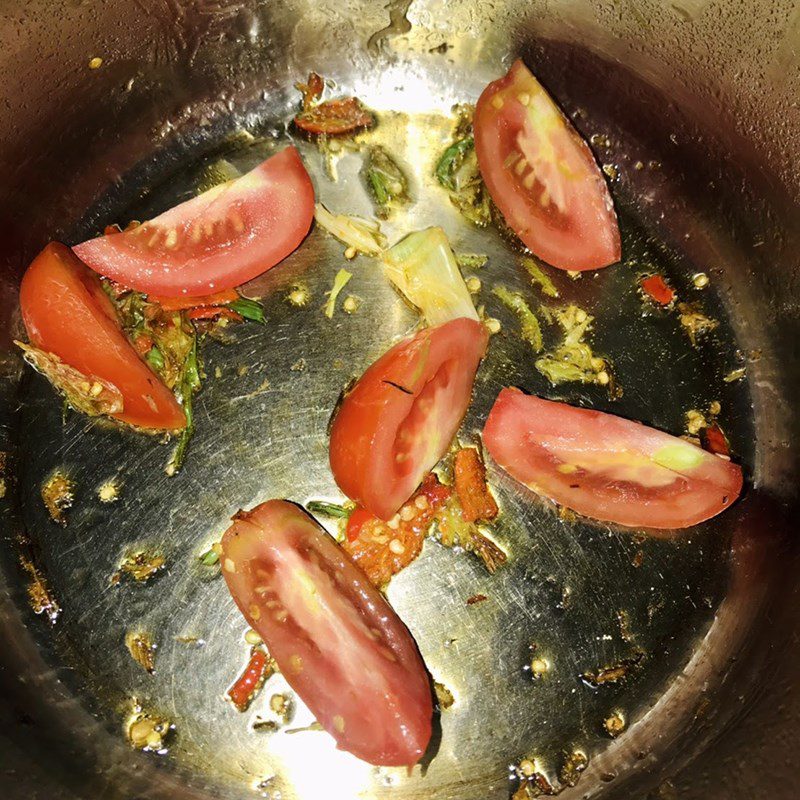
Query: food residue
[695,322]
[142,649]
[108,491]
[469,472]
[39,594]
[476,598]
[611,674]
[444,697]
[147,731]
[614,724]
[58,494]
[139,565]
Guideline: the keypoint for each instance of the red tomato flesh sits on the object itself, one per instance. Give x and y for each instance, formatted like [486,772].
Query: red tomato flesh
[336,640]
[67,313]
[401,416]
[542,175]
[217,240]
[606,467]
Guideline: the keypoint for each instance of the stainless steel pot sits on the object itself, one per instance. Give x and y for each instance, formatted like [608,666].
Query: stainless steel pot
[110,107]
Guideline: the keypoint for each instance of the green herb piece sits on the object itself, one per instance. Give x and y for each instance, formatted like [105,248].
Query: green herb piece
[189,384]
[451,160]
[531,330]
[423,268]
[339,282]
[384,179]
[471,260]
[155,359]
[540,277]
[327,509]
[249,309]
[209,558]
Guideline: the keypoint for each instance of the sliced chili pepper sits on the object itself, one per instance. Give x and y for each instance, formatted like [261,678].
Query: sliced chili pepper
[335,117]
[249,683]
[471,488]
[180,303]
[356,522]
[381,548]
[658,289]
[312,89]
[715,441]
[212,312]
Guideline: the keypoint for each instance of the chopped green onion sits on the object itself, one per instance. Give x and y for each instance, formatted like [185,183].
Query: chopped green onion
[189,384]
[384,178]
[209,558]
[540,277]
[423,268]
[339,282]
[327,509]
[451,160]
[249,309]
[471,260]
[531,330]
[155,358]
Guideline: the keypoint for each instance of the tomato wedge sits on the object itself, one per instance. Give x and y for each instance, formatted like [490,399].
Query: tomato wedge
[217,240]
[542,175]
[336,640]
[401,416]
[67,313]
[606,467]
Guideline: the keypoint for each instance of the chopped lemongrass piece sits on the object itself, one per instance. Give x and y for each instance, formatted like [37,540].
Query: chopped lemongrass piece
[362,234]
[540,277]
[249,309]
[530,330]
[339,282]
[423,268]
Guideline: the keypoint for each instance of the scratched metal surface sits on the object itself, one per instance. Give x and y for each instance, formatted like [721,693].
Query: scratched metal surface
[261,433]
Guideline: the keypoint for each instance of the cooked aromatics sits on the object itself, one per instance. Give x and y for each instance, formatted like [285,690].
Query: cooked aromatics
[58,494]
[140,565]
[574,764]
[249,683]
[381,548]
[458,172]
[363,235]
[91,396]
[423,268]
[339,282]
[540,278]
[573,359]
[530,331]
[657,289]
[455,531]
[469,473]
[142,649]
[385,180]
[735,375]
[695,322]
[185,389]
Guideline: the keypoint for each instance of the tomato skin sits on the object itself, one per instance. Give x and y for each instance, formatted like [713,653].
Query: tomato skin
[217,240]
[402,414]
[658,290]
[336,640]
[565,215]
[607,467]
[356,521]
[66,312]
